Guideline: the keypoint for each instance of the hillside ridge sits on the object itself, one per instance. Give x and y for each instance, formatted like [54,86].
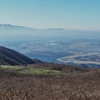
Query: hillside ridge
[12,57]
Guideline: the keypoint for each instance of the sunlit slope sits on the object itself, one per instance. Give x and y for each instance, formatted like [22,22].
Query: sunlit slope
[20,70]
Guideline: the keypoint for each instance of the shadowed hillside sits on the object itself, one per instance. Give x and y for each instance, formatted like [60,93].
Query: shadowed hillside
[11,57]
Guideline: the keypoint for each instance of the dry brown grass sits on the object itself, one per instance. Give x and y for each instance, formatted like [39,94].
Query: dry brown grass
[82,85]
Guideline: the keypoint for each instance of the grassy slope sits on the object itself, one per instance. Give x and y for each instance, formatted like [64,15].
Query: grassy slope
[81,84]
[29,70]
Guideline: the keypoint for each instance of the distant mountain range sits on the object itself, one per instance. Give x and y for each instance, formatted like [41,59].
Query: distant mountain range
[12,30]
[9,26]
[11,57]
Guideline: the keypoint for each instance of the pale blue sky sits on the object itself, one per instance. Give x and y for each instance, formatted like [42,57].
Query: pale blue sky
[68,14]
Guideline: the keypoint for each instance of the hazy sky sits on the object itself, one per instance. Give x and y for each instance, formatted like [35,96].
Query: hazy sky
[68,14]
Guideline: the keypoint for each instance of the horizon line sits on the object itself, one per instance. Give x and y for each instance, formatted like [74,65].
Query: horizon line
[48,28]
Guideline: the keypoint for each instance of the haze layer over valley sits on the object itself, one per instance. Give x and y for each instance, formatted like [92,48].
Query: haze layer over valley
[53,45]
